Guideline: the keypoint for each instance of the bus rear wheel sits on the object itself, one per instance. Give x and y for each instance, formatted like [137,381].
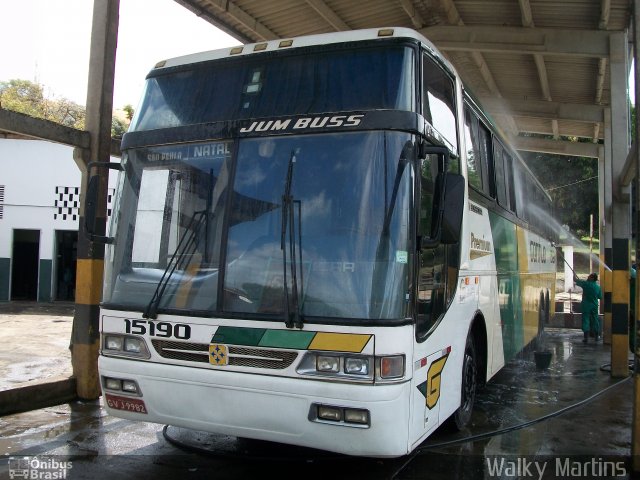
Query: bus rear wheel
[462,415]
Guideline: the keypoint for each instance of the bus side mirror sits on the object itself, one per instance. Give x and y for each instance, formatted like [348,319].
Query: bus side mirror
[91,202]
[447,211]
[448,201]
[453,208]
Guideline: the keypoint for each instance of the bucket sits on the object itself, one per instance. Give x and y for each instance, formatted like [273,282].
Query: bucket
[543,359]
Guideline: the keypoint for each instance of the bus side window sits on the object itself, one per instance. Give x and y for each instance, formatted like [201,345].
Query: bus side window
[484,141]
[428,172]
[501,189]
[511,187]
[503,165]
[431,287]
[472,145]
[525,191]
[438,100]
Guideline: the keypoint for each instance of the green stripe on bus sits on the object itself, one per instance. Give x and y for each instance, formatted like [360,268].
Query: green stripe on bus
[287,339]
[509,288]
[249,337]
[261,337]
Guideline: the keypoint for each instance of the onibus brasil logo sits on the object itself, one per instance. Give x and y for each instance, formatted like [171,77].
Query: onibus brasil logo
[38,468]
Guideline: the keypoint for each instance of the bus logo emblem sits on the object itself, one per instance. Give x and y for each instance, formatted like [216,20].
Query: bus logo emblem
[218,354]
[433,381]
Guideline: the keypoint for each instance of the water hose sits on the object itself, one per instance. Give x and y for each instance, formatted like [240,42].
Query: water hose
[565,260]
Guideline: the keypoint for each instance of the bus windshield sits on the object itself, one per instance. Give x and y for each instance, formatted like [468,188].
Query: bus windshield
[262,86]
[316,224]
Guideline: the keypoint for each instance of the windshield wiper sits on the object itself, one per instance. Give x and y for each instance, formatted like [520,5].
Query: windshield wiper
[188,243]
[288,223]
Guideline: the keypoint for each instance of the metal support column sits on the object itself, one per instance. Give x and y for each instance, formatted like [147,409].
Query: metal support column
[620,255]
[606,222]
[635,425]
[604,200]
[90,265]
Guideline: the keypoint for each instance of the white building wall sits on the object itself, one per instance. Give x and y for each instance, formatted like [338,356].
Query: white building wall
[31,170]
[38,178]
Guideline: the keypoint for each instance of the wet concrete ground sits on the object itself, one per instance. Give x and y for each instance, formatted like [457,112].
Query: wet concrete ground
[34,342]
[589,441]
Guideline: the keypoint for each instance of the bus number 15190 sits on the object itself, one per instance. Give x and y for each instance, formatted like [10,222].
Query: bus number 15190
[157,329]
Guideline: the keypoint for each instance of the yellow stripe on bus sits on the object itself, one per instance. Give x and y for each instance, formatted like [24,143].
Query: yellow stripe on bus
[339,342]
[523,250]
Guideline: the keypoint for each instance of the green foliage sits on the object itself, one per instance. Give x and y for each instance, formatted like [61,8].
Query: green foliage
[572,183]
[118,127]
[28,97]
[22,96]
[128,109]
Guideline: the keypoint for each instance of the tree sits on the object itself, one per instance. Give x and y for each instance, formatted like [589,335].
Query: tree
[118,127]
[128,109]
[22,96]
[27,97]
[572,183]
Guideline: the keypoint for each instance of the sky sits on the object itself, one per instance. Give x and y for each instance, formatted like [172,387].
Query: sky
[48,41]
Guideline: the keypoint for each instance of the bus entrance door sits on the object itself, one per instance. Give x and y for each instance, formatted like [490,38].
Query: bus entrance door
[426,393]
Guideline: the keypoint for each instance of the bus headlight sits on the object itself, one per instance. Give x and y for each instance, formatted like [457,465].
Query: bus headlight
[356,415]
[333,414]
[113,342]
[124,345]
[337,366]
[356,366]
[352,367]
[339,415]
[113,384]
[130,386]
[327,363]
[134,345]
[122,385]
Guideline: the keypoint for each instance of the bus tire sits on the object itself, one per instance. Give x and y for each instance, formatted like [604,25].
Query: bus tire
[462,416]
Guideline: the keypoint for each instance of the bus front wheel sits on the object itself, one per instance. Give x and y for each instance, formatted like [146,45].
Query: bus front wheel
[462,415]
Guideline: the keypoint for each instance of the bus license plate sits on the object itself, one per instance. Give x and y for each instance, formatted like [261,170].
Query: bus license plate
[123,403]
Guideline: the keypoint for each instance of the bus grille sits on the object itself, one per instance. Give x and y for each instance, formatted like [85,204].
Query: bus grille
[238,356]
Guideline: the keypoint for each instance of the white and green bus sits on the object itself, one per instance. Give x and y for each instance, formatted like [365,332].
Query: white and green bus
[319,241]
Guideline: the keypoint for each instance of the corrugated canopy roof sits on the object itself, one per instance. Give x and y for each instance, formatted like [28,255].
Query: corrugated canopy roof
[538,66]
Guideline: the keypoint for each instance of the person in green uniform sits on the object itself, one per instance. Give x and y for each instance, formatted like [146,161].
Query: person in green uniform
[591,293]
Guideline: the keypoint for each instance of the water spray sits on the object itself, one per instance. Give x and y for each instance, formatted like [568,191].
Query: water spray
[553,244]
[562,232]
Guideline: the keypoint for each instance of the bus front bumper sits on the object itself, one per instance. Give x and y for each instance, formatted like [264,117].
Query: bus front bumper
[263,407]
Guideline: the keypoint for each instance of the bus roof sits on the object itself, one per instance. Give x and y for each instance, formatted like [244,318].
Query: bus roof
[305,41]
